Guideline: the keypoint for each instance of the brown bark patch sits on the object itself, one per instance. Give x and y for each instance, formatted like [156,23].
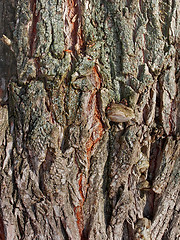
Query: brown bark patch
[33,31]
[2,235]
[73,26]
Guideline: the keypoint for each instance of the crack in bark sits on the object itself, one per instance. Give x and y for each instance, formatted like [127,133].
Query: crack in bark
[33,31]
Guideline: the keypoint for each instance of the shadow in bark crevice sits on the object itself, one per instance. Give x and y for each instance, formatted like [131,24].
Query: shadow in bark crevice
[45,167]
[65,235]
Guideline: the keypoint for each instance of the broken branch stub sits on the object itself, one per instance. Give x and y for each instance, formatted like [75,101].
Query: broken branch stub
[6,40]
[119,113]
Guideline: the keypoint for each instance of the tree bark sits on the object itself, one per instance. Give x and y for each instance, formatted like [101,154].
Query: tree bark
[90,119]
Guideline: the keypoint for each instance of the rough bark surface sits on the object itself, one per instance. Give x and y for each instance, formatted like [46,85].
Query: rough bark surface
[67,170]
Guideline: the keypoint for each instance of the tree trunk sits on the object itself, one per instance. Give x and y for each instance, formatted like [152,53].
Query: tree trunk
[89,113]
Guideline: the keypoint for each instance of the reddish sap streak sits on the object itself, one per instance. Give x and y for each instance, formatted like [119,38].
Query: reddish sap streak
[80,188]
[96,127]
[73,27]
[38,67]
[78,210]
[33,27]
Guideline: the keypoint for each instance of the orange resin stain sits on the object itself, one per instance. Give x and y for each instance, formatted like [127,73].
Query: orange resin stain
[78,210]
[73,27]
[79,216]
[80,188]
[75,45]
[96,133]
[97,126]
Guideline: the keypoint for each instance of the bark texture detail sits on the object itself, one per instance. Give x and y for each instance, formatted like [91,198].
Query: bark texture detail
[90,120]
